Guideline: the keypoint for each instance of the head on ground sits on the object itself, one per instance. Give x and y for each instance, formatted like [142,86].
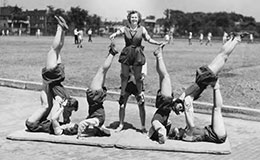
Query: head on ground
[71,129]
[178,106]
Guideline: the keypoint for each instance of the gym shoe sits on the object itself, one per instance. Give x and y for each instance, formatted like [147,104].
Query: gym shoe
[62,22]
[112,49]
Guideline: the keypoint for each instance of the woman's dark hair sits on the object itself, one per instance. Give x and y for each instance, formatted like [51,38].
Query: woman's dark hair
[71,131]
[134,12]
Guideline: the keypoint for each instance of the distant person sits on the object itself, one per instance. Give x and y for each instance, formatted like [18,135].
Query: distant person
[201,38]
[7,32]
[93,125]
[38,33]
[80,38]
[251,38]
[167,38]
[131,89]
[209,37]
[90,35]
[19,32]
[3,32]
[53,94]
[225,37]
[190,37]
[75,35]
[132,54]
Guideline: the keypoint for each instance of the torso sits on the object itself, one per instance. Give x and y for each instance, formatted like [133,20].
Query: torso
[133,37]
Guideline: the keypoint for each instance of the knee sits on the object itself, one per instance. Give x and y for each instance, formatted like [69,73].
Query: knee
[121,101]
[139,78]
[44,100]
[57,46]
[31,126]
[122,107]
[124,76]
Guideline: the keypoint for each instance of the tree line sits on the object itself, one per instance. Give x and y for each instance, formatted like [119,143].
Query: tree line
[196,22]
[200,22]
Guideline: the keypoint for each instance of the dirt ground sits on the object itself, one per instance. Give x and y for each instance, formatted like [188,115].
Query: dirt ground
[23,57]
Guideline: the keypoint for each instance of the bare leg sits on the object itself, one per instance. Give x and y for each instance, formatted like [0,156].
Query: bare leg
[53,57]
[124,77]
[142,115]
[122,114]
[46,105]
[189,112]
[217,119]
[164,78]
[97,83]
[166,90]
[99,79]
[217,64]
[138,78]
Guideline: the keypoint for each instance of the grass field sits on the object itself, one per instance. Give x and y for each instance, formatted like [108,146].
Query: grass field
[23,57]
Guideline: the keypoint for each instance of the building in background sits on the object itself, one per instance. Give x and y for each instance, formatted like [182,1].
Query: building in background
[38,21]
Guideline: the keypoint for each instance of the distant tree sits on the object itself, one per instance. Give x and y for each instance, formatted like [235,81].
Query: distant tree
[51,22]
[216,23]
[78,17]
[17,14]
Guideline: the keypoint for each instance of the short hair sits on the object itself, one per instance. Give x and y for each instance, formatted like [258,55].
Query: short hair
[72,130]
[134,12]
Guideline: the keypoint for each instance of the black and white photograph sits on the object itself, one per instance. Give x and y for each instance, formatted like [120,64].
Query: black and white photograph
[129,79]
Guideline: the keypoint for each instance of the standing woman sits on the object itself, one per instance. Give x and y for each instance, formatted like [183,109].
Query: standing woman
[132,54]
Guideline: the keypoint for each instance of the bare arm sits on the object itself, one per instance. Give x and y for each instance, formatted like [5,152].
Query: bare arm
[148,38]
[118,32]
[55,117]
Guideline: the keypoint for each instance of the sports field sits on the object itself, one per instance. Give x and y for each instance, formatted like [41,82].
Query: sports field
[23,57]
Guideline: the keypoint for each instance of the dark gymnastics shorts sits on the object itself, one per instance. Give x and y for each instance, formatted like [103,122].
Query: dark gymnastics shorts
[44,126]
[164,105]
[205,134]
[204,77]
[132,56]
[54,77]
[95,100]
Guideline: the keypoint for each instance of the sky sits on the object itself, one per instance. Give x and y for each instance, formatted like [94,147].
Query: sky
[116,10]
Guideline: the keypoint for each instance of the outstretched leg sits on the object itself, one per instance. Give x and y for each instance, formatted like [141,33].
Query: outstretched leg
[218,62]
[217,121]
[53,58]
[207,75]
[96,95]
[100,77]
[166,91]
